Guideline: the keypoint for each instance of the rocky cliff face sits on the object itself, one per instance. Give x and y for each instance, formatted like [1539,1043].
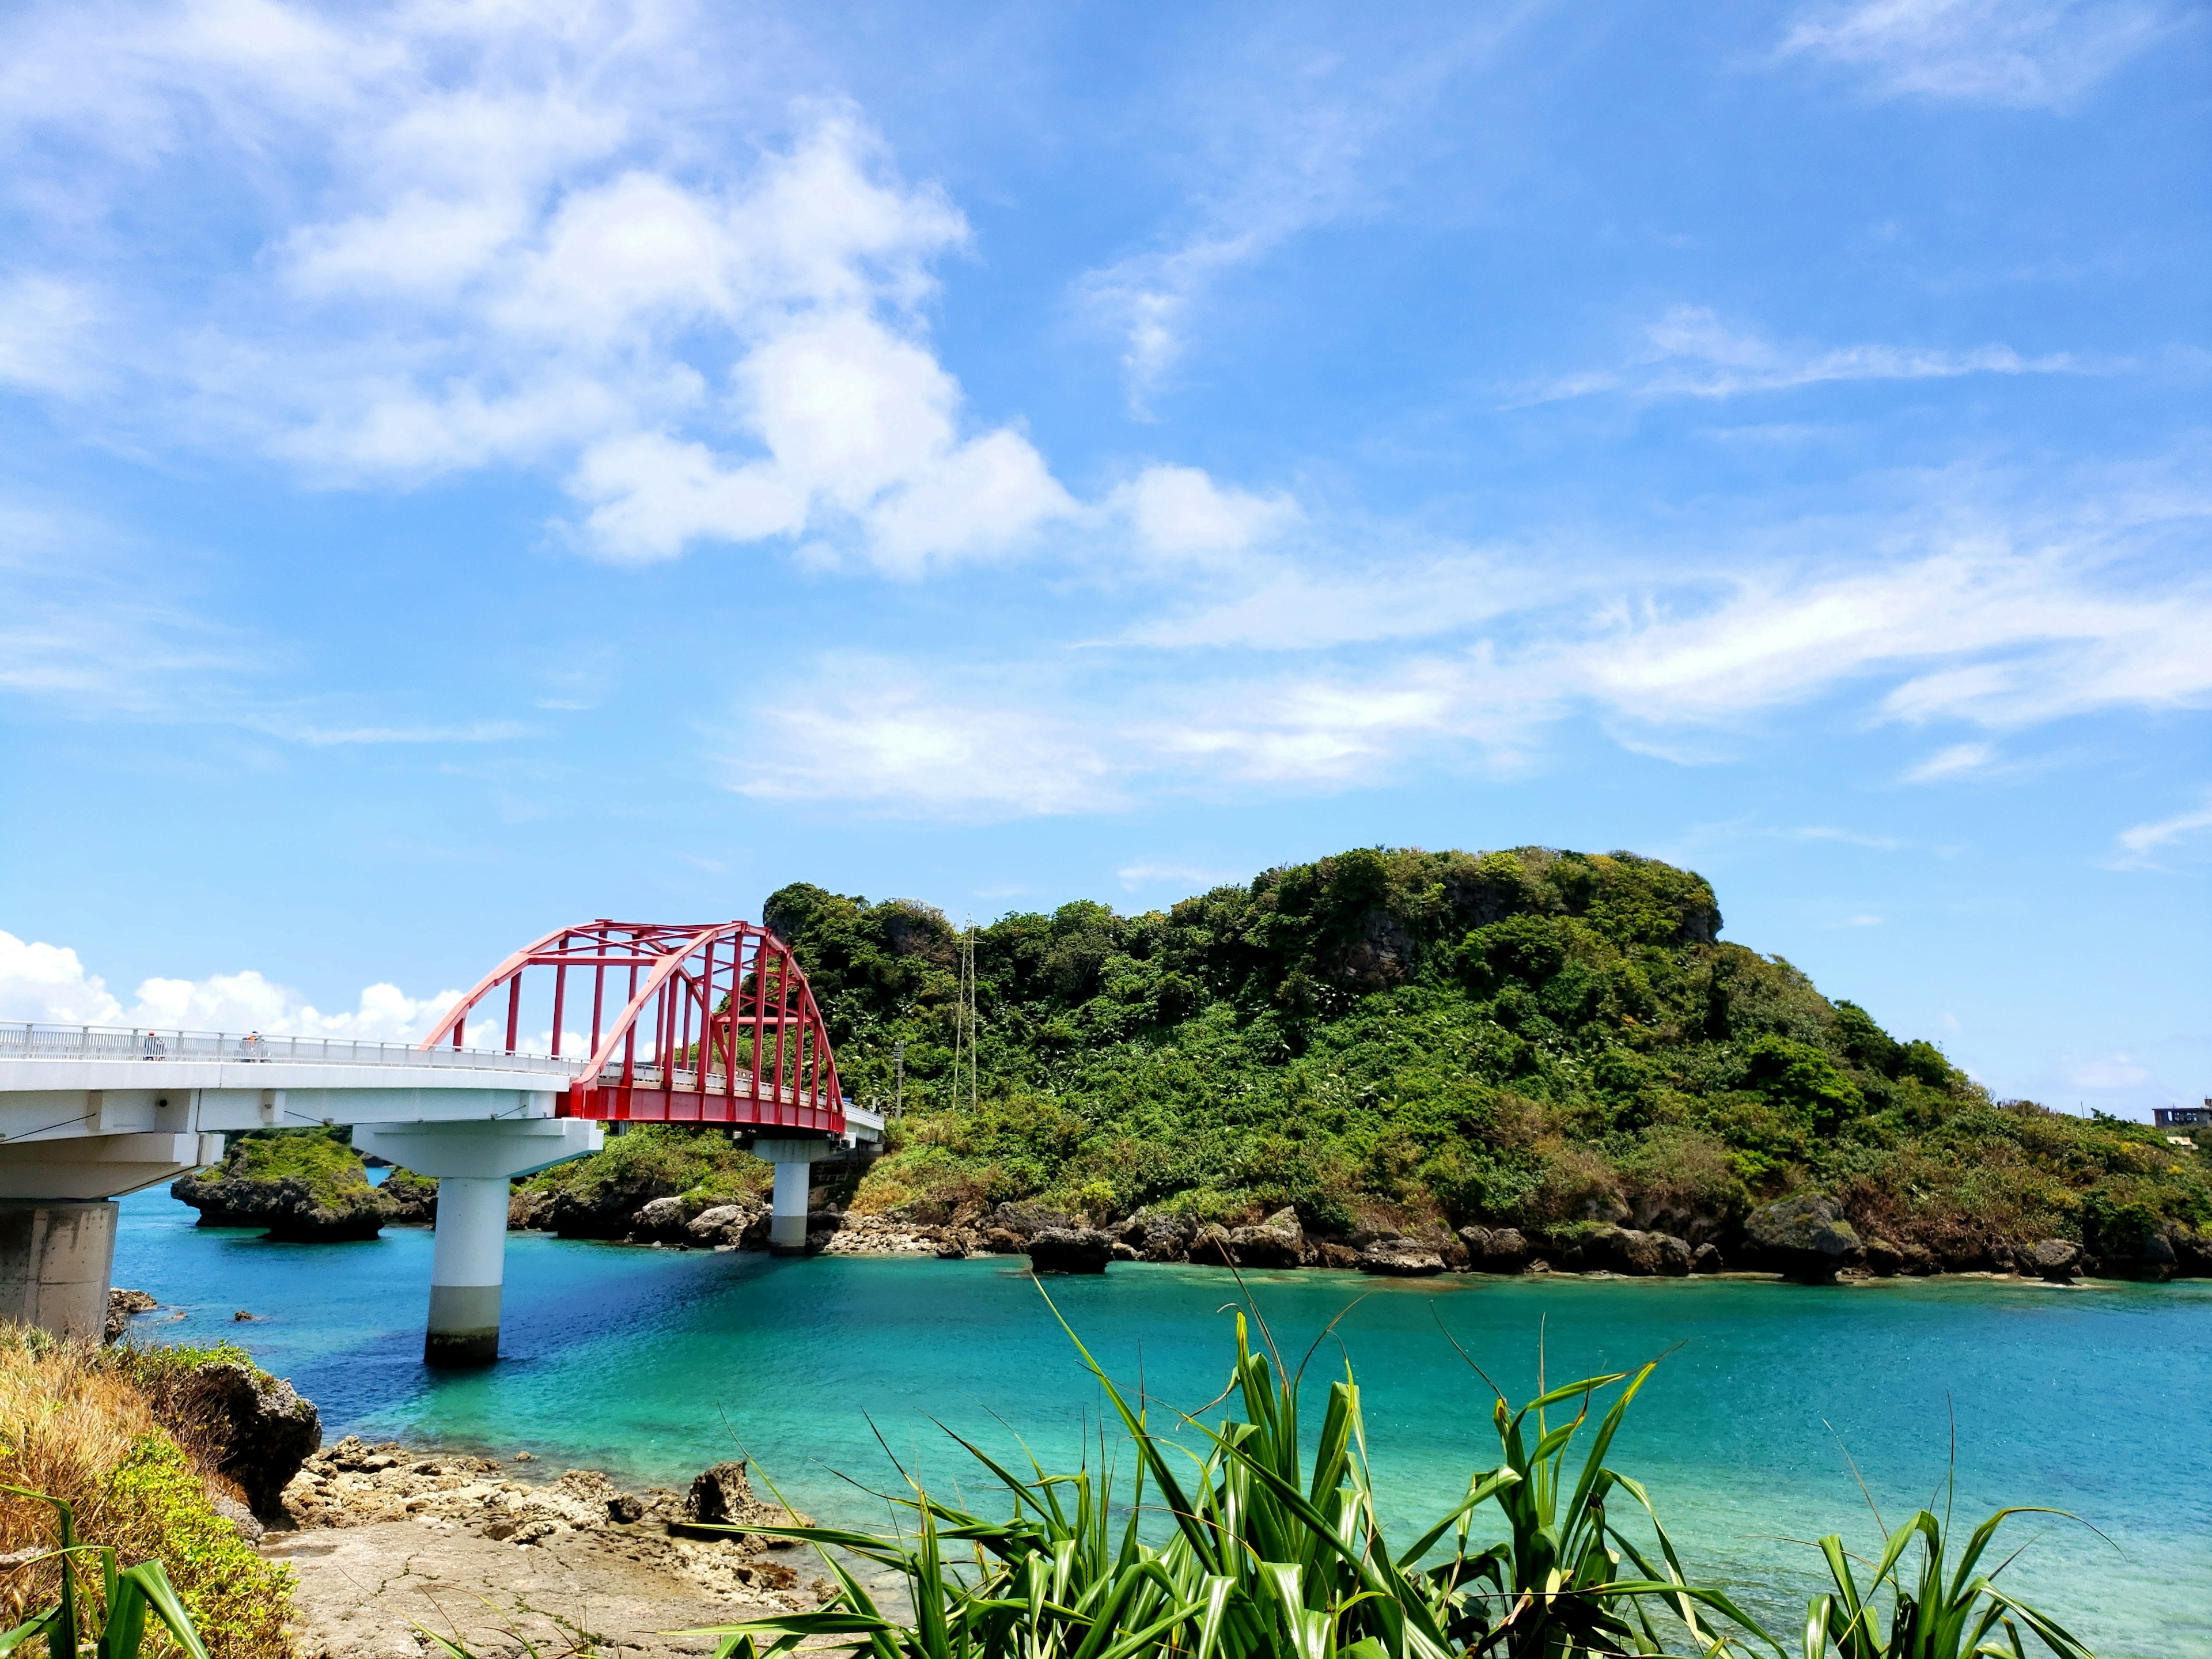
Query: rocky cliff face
[306,1188]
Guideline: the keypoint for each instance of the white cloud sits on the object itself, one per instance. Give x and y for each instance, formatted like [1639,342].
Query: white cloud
[2139,843]
[1690,353]
[2024,636]
[1955,760]
[522,255]
[2028,54]
[869,734]
[1179,510]
[48,984]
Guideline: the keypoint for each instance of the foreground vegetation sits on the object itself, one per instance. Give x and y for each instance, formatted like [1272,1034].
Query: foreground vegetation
[116,1435]
[1255,1546]
[1529,1038]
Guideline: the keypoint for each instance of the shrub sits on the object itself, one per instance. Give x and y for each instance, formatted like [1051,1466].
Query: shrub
[84,1425]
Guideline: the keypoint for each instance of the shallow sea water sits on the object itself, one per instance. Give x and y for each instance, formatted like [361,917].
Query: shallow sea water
[653,1364]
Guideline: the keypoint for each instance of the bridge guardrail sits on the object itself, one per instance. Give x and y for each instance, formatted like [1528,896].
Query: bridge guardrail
[27,1041]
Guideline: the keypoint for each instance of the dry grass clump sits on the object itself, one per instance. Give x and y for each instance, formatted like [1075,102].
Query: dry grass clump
[75,1425]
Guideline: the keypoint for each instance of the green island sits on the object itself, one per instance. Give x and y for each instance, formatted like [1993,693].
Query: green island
[1540,1040]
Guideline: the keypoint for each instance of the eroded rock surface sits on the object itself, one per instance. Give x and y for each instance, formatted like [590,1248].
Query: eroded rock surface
[1401,1258]
[582,1514]
[267,1431]
[1805,1238]
[1070,1250]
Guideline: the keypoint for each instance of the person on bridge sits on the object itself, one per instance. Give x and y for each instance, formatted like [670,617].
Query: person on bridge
[154,1047]
[253,1048]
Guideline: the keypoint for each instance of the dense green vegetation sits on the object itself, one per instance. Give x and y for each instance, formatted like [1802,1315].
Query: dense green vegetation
[1531,1037]
[646,1162]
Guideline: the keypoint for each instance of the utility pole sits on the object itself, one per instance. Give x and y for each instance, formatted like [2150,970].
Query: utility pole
[964,1019]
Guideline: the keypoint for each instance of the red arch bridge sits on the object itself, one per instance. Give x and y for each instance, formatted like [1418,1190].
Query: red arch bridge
[606,1022]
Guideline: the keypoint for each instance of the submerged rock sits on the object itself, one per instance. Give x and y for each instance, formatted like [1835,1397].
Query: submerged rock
[1070,1250]
[1805,1238]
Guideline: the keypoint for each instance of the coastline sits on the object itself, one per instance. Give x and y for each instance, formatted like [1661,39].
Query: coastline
[388,1537]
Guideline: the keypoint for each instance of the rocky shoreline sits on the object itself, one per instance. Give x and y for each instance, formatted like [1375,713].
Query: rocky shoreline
[1806,1239]
[386,1538]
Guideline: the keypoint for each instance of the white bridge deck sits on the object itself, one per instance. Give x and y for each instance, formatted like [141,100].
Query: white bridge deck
[165,1098]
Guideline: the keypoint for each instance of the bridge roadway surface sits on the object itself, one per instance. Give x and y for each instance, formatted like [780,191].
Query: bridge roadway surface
[88,1113]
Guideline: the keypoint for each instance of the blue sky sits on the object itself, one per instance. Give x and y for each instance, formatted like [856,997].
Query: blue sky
[467,467]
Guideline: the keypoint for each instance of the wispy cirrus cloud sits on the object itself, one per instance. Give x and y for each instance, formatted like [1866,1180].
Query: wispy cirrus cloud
[1690,352]
[1278,143]
[2024,54]
[2003,619]
[2140,844]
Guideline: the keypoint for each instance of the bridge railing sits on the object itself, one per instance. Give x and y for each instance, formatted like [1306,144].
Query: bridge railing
[36,1042]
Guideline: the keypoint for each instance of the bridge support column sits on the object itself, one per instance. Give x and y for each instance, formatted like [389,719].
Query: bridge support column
[56,1219]
[473,1162]
[794,1162]
[54,1259]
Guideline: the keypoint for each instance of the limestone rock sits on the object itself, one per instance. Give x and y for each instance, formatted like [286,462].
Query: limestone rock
[1706,1259]
[1495,1250]
[1400,1258]
[2054,1259]
[665,1221]
[1638,1255]
[723,1496]
[1070,1250]
[410,1199]
[719,1494]
[1278,1241]
[266,1429]
[1025,1221]
[243,1520]
[1886,1258]
[1805,1238]
[121,1305]
[286,1207]
[741,1226]
[1157,1235]
[1335,1252]
[1210,1245]
[529,1209]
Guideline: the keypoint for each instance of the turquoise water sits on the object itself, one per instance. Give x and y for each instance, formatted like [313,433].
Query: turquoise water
[653,1364]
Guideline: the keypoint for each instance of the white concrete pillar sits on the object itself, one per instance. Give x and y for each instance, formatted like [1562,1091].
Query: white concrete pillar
[54,1259]
[787,1221]
[468,1266]
[794,1162]
[473,1163]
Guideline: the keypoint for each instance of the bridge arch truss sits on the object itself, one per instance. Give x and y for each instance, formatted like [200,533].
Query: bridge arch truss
[714,1024]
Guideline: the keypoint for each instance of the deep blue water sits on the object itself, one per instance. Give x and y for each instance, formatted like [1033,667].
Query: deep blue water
[653,1364]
